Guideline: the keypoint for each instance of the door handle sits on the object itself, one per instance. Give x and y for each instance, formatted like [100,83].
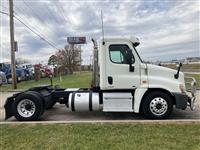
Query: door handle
[110,80]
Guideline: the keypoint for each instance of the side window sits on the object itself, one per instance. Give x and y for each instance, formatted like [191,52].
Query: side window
[118,53]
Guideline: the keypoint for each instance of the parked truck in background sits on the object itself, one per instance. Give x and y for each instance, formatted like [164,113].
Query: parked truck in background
[21,73]
[121,82]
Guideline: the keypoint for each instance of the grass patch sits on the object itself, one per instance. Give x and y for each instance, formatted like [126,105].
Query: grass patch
[98,136]
[185,67]
[68,81]
[196,76]
[76,80]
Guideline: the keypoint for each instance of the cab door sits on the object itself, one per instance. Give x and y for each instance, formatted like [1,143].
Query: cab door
[118,73]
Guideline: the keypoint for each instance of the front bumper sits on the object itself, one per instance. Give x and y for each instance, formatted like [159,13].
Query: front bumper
[191,91]
[182,100]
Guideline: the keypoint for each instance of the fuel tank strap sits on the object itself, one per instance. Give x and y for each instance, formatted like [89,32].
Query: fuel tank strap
[72,102]
[90,101]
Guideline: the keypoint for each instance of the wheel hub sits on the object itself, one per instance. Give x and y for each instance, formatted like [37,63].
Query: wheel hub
[26,108]
[158,106]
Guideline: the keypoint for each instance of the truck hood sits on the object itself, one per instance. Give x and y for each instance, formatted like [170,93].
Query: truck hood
[161,70]
[164,77]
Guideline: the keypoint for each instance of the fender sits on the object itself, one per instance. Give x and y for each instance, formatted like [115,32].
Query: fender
[8,105]
[139,93]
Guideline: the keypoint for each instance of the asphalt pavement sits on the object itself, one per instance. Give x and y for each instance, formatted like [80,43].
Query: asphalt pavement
[61,113]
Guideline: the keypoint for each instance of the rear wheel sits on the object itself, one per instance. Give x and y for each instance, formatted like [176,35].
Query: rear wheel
[157,105]
[28,106]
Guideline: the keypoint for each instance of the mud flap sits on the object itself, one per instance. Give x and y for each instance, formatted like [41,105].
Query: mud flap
[8,107]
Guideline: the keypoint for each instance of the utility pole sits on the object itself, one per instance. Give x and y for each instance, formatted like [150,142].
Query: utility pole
[13,66]
[80,59]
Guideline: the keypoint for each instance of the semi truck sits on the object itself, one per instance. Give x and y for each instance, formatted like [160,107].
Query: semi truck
[121,82]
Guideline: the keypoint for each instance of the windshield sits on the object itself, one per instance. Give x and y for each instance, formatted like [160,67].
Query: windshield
[137,53]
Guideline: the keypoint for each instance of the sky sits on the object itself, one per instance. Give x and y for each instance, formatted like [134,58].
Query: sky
[167,29]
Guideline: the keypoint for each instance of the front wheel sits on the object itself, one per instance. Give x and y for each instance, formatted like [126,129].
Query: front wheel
[157,105]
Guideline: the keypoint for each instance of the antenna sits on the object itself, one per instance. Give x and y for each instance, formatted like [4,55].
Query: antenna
[102,26]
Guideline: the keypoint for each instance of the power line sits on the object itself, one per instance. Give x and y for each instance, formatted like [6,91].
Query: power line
[4,13]
[42,38]
[30,8]
[62,12]
[48,11]
[35,12]
[38,32]
[16,14]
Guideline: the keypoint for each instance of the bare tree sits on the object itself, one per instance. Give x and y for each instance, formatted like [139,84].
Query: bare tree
[67,57]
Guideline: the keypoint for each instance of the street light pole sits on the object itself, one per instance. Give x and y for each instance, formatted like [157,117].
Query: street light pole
[13,65]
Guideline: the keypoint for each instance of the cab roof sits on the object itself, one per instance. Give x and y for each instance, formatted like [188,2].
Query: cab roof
[132,39]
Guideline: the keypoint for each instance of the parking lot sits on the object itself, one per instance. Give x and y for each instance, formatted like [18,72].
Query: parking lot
[61,113]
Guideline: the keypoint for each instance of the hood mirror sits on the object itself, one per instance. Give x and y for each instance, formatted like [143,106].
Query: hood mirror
[176,76]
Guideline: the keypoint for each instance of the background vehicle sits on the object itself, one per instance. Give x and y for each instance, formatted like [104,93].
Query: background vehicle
[121,83]
[29,71]
[3,79]
[45,71]
[21,73]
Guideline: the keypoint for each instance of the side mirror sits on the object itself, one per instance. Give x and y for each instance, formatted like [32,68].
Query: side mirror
[129,59]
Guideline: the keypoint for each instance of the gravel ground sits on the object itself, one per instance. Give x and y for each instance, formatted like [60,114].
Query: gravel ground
[61,113]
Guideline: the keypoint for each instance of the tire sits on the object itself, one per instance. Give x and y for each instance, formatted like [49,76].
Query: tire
[28,106]
[157,105]
[1,81]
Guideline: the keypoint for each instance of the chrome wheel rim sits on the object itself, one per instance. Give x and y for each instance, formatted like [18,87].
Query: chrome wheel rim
[158,106]
[26,108]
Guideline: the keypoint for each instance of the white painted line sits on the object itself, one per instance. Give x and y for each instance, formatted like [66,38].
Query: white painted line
[180,121]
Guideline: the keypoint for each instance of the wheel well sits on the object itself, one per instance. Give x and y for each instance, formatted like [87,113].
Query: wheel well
[150,90]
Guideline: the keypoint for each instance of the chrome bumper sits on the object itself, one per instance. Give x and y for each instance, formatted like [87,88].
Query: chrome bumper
[191,88]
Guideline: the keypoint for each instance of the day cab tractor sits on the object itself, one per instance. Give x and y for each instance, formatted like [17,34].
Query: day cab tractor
[121,82]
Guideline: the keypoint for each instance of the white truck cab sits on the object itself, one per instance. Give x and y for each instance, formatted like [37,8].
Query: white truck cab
[155,84]
[122,82]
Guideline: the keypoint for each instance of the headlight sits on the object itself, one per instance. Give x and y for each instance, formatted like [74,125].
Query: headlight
[182,88]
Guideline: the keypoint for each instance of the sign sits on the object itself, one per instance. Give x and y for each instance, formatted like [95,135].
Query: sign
[15,46]
[76,40]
